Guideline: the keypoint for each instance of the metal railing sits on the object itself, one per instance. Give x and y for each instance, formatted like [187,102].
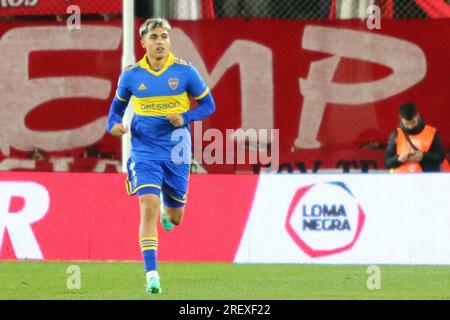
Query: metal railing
[294,9]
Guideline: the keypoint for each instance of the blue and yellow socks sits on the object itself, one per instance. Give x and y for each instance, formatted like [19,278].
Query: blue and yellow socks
[149,248]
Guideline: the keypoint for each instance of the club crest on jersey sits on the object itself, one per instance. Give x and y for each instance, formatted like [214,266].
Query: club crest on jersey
[173,83]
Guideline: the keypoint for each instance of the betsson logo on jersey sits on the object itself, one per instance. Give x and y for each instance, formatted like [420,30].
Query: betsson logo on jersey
[160,106]
[324,219]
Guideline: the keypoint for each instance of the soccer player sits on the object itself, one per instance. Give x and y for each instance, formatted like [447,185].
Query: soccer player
[161,86]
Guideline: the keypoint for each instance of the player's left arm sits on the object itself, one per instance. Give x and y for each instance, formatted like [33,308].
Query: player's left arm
[205,108]
[198,89]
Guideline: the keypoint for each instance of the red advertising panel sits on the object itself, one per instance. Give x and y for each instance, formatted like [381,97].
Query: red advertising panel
[85,216]
[268,218]
[332,88]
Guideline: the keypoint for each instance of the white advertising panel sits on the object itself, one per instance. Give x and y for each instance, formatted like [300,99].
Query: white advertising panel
[349,219]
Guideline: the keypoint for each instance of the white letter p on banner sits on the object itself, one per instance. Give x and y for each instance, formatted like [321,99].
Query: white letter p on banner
[406,60]
[18,224]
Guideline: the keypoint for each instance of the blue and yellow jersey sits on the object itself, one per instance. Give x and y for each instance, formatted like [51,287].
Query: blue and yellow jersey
[155,95]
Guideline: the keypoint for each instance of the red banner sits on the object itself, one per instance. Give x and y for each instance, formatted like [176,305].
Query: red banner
[332,88]
[60,86]
[54,7]
[84,216]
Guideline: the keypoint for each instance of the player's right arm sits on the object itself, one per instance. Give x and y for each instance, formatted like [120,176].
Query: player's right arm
[117,109]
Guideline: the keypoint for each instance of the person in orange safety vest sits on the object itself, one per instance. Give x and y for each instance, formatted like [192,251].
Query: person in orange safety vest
[414,146]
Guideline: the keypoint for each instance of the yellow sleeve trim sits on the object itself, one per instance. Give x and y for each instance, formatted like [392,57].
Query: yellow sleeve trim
[203,94]
[121,99]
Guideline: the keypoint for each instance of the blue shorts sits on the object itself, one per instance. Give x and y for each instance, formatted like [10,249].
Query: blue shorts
[156,177]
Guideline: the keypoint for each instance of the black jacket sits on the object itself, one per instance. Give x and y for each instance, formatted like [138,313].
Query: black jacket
[432,159]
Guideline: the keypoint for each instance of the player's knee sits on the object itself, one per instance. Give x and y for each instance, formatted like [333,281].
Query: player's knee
[176,215]
[149,207]
[177,220]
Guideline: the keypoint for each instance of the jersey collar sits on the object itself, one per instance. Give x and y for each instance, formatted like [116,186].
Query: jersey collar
[143,63]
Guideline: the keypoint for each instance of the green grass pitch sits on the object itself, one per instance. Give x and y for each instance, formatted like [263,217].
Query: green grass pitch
[222,281]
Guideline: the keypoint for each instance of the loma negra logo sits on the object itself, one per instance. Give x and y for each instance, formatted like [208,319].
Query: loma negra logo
[324,219]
